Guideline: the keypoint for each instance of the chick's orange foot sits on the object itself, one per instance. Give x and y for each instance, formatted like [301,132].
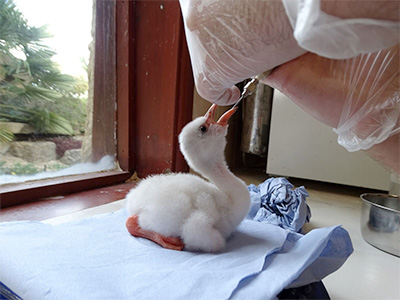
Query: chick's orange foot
[173,243]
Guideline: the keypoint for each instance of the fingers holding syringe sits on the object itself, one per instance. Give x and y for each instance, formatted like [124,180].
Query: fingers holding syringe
[218,94]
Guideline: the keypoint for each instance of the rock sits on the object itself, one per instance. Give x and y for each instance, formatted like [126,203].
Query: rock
[86,155]
[12,164]
[7,161]
[18,128]
[33,151]
[79,138]
[71,157]
[4,147]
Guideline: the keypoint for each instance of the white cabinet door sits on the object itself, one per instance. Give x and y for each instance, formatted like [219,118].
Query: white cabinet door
[300,146]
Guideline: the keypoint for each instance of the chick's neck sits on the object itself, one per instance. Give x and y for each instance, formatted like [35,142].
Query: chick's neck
[236,190]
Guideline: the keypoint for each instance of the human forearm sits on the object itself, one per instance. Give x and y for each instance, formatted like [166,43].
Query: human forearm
[388,10]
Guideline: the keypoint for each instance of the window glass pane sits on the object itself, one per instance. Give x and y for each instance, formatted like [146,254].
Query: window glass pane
[46,90]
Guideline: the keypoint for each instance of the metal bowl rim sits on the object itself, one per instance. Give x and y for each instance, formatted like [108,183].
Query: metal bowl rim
[379,205]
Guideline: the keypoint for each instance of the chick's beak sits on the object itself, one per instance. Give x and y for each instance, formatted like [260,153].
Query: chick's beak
[223,120]
[210,114]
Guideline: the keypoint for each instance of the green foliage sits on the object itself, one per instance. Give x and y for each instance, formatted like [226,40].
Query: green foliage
[43,120]
[49,122]
[28,168]
[32,88]
[18,169]
[6,135]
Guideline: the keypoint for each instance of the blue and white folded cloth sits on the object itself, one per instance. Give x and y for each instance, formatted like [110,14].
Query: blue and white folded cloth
[276,202]
[96,258]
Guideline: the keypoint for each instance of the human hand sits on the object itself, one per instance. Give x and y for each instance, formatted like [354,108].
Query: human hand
[230,41]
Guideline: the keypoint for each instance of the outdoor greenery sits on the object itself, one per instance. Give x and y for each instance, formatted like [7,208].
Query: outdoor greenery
[27,169]
[32,88]
[18,169]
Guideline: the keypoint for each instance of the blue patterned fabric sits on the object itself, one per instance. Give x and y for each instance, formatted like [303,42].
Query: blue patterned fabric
[7,294]
[276,202]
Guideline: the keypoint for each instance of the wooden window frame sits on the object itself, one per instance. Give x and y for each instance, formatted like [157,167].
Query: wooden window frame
[146,71]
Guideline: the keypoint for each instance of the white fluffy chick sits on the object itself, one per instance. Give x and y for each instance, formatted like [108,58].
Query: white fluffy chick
[182,210]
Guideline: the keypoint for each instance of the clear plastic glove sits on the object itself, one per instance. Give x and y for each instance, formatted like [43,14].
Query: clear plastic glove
[357,96]
[358,91]
[333,37]
[230,41]
[372,103]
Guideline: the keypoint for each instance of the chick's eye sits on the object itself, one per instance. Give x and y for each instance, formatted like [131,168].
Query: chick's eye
[203,129]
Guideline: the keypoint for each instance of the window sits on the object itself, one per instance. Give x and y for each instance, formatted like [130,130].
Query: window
[143,69]
[46,97]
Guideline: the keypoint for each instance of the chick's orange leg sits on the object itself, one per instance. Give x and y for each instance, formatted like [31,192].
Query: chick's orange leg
[173,243]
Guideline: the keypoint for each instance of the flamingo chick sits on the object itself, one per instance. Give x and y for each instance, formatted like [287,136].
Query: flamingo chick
[182,210]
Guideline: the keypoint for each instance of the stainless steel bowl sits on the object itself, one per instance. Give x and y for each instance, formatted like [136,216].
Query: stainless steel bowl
[380,222]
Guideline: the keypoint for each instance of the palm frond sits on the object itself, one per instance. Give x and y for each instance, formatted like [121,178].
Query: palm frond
[31,83]
[6,136]
[49,122]
[44,121]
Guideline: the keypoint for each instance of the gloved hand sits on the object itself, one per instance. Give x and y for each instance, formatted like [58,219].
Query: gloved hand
[348,78]
[230,41]
[360,97]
